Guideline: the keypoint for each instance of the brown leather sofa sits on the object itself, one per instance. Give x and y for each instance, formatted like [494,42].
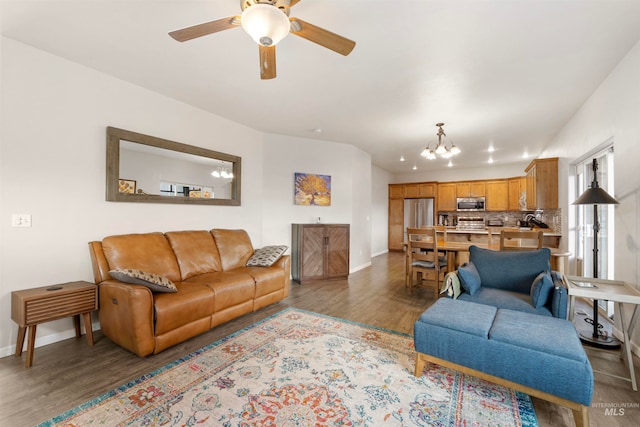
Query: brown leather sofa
[208,269]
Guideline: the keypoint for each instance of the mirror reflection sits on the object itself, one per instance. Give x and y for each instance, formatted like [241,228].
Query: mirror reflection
[141,168]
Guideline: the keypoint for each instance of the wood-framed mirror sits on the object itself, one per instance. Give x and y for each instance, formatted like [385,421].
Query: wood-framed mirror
[146,169]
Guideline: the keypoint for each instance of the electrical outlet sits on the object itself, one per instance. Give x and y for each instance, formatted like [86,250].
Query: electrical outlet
[21,220]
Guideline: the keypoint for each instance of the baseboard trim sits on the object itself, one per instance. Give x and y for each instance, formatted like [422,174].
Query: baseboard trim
[45,340]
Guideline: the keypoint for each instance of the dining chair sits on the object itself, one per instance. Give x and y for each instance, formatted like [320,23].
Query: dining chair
[425,263]
[519,240]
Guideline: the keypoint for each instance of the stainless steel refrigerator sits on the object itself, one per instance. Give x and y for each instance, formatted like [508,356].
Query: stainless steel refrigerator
[417,213]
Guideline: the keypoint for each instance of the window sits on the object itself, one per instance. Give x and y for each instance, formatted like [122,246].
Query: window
[585,219]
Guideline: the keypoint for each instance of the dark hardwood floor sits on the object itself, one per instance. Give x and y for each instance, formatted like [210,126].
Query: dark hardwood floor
[68,373]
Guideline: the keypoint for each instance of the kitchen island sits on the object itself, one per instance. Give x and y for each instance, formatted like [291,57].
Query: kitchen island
[489,235]
[456,243]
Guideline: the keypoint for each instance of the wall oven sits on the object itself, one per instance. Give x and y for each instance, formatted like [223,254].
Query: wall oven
[470,204]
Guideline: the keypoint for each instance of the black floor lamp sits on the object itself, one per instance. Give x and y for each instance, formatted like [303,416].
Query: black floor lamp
[596,196]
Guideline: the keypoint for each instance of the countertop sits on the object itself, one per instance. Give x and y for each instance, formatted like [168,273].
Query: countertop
[454,230]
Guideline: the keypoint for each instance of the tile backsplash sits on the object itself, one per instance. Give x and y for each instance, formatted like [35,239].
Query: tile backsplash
[551,217]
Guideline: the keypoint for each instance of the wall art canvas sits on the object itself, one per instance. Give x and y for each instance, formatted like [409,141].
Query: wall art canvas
[312,190]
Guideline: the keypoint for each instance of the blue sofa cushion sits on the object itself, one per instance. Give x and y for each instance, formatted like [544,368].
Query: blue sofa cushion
[510,270]
[463,316]
[541,289]
[469,278]
[505,299]
[537,333]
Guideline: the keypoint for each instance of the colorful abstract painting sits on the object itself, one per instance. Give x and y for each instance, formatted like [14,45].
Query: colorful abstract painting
[312,190]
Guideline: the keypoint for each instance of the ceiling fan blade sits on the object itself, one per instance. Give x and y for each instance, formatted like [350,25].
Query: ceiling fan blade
[205,29]
[322,37]
[267,62]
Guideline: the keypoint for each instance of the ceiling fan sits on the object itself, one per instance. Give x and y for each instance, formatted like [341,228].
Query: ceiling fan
[268,22]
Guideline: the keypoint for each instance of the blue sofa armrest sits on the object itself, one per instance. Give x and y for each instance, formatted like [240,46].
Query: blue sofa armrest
[559,301]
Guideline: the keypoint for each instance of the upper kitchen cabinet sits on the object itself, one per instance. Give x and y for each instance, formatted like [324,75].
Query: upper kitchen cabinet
[470,189]
[446,200]
[420,190]
[396,191]
[517,189]
[542,184]
[497,195]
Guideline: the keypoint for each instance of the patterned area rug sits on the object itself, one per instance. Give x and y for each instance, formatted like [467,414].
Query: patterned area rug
[298,368]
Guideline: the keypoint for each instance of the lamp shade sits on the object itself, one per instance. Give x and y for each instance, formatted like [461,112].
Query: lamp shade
[266,24]
[595,196]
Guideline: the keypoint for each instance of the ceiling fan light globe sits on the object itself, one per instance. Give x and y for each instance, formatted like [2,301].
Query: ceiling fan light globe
[266,24]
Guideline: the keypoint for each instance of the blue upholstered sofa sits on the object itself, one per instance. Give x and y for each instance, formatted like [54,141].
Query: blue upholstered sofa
[506,323]
[505,279]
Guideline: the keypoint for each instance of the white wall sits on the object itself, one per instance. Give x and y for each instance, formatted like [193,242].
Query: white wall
[380,180]
[611,113]
[457,174]
[350,171]
[52,166]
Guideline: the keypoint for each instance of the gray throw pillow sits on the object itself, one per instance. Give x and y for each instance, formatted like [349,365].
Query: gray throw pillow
[152,281]
[266,256]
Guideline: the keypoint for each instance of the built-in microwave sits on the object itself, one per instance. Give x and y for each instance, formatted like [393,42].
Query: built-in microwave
[468,204]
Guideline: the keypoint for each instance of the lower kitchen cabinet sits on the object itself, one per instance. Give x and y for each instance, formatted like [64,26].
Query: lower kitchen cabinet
[319,252]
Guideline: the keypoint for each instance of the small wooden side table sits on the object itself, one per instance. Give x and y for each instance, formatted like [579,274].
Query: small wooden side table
[611,290]
[29,307]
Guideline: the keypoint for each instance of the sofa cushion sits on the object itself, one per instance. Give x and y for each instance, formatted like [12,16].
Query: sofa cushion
[510,270]
[469,278]
[504,299]
[191,303]
[541,289]
[148,252]
[137,277]
[196,252]
[234,246]
[537,333]
[463,316]
[266,256]
[230,287]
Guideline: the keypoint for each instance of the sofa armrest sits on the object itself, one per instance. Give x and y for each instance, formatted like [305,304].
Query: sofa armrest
[285,263]
[559,297]
[126,316]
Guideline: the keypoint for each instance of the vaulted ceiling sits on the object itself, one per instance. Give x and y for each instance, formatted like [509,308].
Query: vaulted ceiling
[505,74]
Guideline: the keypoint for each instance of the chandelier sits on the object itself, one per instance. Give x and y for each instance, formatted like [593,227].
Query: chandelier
[440,149]
[222,172]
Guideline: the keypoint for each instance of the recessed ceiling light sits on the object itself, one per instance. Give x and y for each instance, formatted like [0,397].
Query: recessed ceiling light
[450,163]
[490,160]
[317,130]
[415,167]
[525,155]
[402,158]
[491,149]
